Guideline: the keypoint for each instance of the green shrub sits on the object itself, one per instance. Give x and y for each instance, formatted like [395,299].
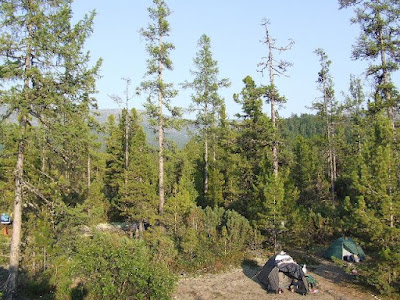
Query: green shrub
[4,249]
[218,239]
[161,245]
[112,267]
[382,273]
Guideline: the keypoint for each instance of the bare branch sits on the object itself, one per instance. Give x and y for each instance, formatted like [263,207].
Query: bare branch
[59,152]
[36,191]
[269,63]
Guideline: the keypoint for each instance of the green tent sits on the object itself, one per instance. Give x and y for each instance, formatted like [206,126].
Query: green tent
[344,248]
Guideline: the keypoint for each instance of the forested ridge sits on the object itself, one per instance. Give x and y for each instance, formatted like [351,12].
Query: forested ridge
[99,212]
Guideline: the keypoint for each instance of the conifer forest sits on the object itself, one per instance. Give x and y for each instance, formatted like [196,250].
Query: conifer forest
[112,210]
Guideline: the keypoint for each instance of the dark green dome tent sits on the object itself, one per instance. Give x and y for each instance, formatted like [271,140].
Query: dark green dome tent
[344,248]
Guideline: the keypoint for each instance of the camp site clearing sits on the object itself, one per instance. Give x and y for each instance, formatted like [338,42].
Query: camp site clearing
[242,284]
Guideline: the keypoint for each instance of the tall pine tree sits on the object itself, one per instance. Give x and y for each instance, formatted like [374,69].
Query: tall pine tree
[47,72]
[207,103]
[271,93]
[159,60]
[378,44]
[253,142]
[138,195]
[327,108]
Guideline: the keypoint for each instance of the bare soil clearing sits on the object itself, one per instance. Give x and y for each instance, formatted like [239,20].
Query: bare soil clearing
[241,284]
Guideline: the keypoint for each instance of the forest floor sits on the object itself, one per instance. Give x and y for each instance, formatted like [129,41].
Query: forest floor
[242,284]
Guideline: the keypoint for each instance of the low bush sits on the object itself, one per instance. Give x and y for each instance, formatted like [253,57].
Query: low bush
[218,239]
[112,267]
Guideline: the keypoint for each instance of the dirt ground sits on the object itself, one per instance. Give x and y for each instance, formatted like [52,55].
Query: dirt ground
[241,284]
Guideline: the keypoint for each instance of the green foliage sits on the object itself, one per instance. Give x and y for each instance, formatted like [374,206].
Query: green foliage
[376,206]
[159,60]
[213,236]
[238,231]
[7,163]
[384,275]
[305,125]
[215,192]
[55,95]
[4,248]
[114,161]
[179,204]
[208,104]
[137,201]
[46,83]
[323,222]
[271,217]
[306,172]
[270,93]
[112,267]
[155,86]
[39,244]
[300,236]
[252,144]
[161,245]
[96,206]
[189,243]
[206,85]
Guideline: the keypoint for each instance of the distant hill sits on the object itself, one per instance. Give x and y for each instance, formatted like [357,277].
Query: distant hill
[180,137]
[305,125]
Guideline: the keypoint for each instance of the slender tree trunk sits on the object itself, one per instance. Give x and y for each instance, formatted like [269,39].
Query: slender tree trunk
[126,146]
[19,172]
[331,148]
[332,173]
[175,210]
[274,142]
[274,226]
[89,179]
[17,222]
[206,172]
[358,109]
[127,130]
[161,159]
[390,114]
[273,112]
[386,79]
[43,160]
[160,139]
[214,150]
[331,159]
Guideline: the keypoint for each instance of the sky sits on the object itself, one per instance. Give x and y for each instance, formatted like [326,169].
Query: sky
[235,30]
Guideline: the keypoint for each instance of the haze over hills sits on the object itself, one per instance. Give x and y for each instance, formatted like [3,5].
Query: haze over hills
[180,137]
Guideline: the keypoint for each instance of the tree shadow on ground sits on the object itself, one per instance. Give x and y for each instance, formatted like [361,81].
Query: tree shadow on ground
[3,279]
[35,287]
[322,267]
[251,268]
[79,292]
[330,271]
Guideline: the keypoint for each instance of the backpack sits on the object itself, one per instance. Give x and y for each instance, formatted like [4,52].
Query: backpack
[313,284]
[5,219]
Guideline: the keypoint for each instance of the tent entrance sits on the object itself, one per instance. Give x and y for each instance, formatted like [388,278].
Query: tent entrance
[345,252]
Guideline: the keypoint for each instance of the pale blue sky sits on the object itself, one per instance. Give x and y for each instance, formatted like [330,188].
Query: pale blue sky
[234,27]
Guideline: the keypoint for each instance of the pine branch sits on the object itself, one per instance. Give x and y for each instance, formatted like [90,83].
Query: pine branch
[36,191]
